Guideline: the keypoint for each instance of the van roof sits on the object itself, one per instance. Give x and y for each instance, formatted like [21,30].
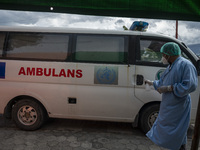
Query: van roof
[75,30]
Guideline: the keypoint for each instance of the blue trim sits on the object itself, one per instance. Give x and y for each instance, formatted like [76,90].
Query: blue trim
[2,70]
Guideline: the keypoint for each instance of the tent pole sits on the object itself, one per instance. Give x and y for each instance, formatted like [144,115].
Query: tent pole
[176,35]
[195,137]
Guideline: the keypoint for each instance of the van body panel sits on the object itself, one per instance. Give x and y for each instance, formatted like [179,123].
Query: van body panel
[93,100]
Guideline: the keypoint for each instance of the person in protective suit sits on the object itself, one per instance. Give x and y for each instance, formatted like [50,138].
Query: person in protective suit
[178,80]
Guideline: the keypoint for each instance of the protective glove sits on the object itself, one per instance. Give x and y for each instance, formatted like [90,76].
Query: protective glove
[164,89]
[148,82]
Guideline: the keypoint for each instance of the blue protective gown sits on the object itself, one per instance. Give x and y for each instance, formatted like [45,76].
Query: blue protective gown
[170,128]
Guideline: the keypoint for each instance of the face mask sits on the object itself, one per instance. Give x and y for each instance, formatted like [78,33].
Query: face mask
[164,61]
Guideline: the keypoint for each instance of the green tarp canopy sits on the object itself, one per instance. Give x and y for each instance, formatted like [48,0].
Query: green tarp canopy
[157,9]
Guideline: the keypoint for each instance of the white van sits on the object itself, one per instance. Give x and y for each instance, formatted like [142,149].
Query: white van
[82,74]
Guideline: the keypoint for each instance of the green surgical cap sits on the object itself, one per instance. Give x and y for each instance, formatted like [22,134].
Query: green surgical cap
[171,49]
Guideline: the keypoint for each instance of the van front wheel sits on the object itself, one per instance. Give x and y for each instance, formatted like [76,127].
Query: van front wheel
[148,116]
[28,114]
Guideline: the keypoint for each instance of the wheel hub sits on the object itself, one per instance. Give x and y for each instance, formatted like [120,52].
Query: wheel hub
[152,118]
[27,115]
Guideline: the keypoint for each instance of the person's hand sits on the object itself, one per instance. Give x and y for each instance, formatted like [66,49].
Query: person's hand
[164,89]
[148,82]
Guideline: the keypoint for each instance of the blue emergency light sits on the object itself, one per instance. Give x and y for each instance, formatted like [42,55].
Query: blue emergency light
[139,26]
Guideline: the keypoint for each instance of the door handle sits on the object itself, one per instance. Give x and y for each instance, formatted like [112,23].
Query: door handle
[139,79]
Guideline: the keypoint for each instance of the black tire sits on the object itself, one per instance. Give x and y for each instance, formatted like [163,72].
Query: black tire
[148,116]
[28,115]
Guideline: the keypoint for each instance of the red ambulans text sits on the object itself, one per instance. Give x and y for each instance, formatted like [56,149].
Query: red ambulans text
[50,72]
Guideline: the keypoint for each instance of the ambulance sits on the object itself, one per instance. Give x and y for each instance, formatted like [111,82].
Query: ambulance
[82,74]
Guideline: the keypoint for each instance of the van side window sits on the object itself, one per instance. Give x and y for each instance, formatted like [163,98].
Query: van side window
[100,48]
[38,46]
[2,38]
[150,50]
[184,54]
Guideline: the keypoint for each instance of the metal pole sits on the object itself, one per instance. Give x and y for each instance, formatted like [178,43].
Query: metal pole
[176,35]
[195,137]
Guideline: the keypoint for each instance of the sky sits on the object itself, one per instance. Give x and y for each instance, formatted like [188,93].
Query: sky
[189,32]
